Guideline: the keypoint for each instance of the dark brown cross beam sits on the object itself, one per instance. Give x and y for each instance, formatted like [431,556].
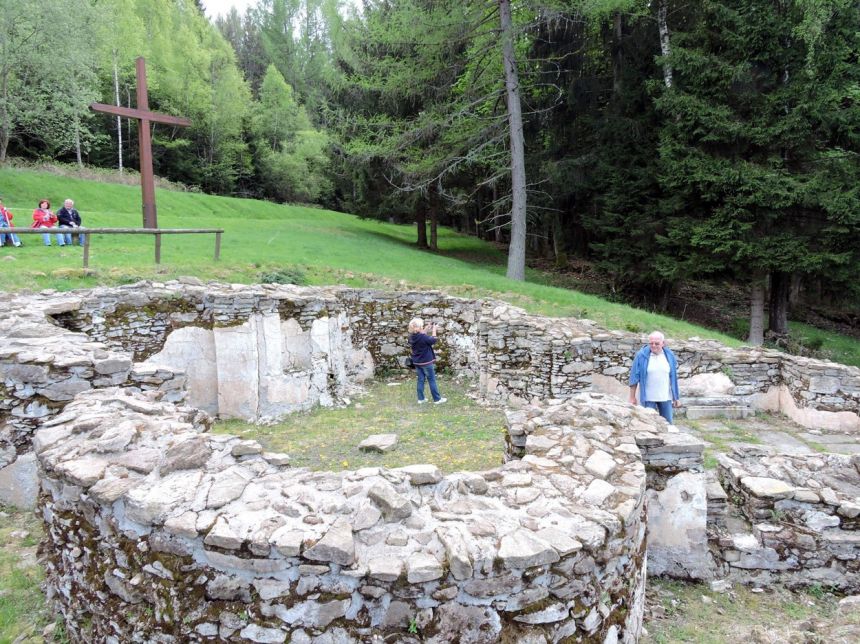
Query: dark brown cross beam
[144,116]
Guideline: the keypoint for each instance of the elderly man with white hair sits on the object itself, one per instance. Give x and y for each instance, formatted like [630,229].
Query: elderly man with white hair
[655,374]
[69,217]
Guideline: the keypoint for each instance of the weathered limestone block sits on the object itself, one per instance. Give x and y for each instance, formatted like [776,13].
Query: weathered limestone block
[18,483]
[336,546]
[424,474]
[227,486]
[237,369]
[192,350]
[677,528]
[378,443]
[392,504]
[522,549]
[767,488]
[422,567]
[190,453]
[148,505]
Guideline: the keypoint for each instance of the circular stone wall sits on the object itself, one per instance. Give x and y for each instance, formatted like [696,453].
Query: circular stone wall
[160,532]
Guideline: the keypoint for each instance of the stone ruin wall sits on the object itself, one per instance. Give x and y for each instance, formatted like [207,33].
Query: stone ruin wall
[525,358]
[160,532]
[519,359]
[804,513]
[118,336]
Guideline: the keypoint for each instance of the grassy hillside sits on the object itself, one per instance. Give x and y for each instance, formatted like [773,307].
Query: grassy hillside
[324,247]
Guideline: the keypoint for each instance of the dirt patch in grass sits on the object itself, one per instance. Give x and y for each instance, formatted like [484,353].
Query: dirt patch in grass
[458,435]
[679,612]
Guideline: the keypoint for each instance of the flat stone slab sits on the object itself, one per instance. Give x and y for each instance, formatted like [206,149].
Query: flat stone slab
[378,443]
[767,488]
[785,443]
[717,411]
[19,484]
[522,549]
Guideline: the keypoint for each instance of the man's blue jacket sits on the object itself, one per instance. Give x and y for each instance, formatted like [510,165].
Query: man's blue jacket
[639,371]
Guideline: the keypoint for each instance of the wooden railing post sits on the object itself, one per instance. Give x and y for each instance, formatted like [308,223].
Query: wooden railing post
[158,232]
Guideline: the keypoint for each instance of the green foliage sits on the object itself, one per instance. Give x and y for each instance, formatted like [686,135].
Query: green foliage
[285,275]
[753,154]
[740,328]
[291,155]
[396,111]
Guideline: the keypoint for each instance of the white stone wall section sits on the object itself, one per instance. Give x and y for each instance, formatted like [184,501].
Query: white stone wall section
[158,531]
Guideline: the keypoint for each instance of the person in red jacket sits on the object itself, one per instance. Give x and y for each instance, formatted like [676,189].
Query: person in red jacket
[6,222]
[44,218]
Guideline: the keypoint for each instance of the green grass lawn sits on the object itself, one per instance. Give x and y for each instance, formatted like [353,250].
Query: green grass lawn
[23,613]
[328,247]
[458,435]
[680,612]
[834,346]
[325,247]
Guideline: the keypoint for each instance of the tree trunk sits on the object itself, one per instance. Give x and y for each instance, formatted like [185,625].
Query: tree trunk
[128,121]
[421,221]
[664,295]
[434,218]
[517,248]
[779,288]
[5,125]
[756,334]
[78,142]
[617,58]
[559,256]
[796,289]
[118,119]
[665,48]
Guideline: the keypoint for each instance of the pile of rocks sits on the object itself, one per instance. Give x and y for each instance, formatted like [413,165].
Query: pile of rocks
[158,531]
[804,518]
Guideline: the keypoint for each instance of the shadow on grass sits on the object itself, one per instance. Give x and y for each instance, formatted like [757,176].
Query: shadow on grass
[475,256]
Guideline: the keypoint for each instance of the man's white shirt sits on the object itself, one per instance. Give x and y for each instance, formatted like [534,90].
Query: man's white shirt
[657,387]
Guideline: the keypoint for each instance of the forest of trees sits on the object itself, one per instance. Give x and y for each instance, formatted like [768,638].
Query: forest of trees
[660,140]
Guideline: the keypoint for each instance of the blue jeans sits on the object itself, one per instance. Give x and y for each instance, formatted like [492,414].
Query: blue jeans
[663,407]
[67,237]
[427,372]
[8,238]
[46,237]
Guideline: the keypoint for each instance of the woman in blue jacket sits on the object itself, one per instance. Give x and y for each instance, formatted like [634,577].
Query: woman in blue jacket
[421,340]
[655,373]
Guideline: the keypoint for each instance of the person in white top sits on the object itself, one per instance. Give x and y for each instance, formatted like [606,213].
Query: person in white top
[655,374]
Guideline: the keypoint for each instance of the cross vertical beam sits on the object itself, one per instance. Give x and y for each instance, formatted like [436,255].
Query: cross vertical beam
[147,177]
[145,117]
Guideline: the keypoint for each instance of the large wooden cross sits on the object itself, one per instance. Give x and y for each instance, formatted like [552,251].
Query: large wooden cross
[144,116]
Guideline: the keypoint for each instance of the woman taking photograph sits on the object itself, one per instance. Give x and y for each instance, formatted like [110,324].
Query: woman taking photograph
[421,340]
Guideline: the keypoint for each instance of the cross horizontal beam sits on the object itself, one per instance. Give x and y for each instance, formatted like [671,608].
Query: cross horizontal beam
[134,113]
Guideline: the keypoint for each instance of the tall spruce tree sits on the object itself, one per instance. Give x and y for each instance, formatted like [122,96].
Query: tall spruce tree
[758,151]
